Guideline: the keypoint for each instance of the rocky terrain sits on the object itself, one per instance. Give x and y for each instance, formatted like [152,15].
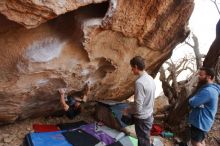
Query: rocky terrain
[14,134]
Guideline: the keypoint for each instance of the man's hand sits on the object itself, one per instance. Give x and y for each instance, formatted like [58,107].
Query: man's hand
[125,112]
[76,106]
[62,91]
[66,107]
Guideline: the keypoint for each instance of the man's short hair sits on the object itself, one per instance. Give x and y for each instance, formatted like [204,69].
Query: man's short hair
[138,61]
[209,71]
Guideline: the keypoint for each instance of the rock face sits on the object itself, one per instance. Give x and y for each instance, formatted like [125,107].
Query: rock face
[32,13]
[87,49]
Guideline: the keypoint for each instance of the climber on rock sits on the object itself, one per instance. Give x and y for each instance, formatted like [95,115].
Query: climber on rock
[70,104]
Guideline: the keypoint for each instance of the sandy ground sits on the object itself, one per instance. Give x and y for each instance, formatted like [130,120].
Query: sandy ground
[14,134]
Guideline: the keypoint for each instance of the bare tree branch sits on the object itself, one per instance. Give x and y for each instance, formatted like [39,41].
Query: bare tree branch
[217,69]
[195,48]
[192,70]
[181,63]
[216,5]
[168,77]
[192,46]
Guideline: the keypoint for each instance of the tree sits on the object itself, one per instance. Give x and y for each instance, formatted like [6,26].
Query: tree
[177,91]
[216,5]
[179,110]
[195,47]
[169,78]
[213,60]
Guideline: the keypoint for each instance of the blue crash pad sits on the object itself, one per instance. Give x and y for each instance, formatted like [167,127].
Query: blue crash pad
[47,139]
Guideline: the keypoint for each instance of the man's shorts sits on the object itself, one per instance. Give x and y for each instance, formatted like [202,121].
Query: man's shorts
[197,134]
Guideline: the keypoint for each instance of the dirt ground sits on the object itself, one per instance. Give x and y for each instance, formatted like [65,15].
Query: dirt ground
[14,134]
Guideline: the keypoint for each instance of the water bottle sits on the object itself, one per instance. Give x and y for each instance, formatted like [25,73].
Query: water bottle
[167,134]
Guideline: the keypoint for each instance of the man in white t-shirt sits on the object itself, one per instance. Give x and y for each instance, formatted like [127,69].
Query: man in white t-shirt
[142,109]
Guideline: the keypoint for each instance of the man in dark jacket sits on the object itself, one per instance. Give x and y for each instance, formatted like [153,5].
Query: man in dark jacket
[70,105]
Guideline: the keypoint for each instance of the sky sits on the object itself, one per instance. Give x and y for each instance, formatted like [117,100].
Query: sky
[203,24]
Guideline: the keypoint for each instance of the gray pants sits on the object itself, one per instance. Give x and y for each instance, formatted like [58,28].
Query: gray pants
[142,128]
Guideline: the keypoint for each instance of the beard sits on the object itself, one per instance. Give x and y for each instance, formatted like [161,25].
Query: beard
[202,82]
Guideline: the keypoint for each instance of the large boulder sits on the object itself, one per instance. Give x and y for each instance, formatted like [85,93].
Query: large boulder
[84,45]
